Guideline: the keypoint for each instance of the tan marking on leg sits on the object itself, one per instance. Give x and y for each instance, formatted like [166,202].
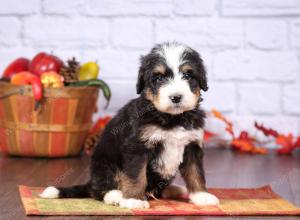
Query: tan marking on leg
[194,181]
[132,188]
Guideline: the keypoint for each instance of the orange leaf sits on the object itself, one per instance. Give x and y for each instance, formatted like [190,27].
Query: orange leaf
[229,126]
[247,145]
[286,143]
[242,145]
[260,150]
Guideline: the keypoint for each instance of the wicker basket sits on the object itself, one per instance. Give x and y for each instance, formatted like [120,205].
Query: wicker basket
[57,128]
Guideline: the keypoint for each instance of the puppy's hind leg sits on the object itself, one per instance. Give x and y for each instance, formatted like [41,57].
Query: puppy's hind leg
[132,181]
[103,183]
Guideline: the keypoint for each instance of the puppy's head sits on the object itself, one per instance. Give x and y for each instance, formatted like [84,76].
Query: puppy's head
[171,77]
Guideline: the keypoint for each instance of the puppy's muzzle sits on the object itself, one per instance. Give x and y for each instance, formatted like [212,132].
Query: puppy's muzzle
[176,98]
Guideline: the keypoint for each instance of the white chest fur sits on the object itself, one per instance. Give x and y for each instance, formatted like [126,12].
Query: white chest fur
[174,142]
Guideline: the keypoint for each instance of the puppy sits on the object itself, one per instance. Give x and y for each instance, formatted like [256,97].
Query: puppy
[152,137]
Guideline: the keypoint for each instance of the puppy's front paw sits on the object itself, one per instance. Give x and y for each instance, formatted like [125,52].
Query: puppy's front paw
[113,197]
[134,204]
[50,193]
[203,198]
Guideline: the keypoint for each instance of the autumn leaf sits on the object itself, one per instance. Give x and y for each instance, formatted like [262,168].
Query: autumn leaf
[260,150]
[266,131]
[229,126]
[208,135]
[100,125]
[242,145]
[286,143]
[297,144]
[246,143]
[247,146]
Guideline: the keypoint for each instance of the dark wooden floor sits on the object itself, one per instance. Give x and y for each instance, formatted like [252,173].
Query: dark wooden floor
[224,168]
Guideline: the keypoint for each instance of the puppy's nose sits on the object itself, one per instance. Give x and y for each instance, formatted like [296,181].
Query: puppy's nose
[176,98]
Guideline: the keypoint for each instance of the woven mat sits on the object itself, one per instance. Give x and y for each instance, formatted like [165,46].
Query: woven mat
[255,201]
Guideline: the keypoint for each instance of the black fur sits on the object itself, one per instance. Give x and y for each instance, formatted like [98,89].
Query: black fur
[200,73]
[120,148]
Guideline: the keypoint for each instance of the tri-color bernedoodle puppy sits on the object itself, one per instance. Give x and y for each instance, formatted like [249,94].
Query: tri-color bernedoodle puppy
[152,137]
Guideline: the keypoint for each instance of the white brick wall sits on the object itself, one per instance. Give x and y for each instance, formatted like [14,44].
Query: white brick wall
[251,47]
[259,99]
[260,7]
[132,33]
[10,31]
[266,35]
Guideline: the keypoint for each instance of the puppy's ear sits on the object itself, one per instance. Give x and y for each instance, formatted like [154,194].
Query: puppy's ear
[203,80]
[141,81]
[200,70]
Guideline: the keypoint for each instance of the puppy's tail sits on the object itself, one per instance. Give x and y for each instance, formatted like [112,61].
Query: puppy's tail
[77,191]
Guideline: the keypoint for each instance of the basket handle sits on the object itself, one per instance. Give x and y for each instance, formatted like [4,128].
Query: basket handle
[45,127]
[20,91]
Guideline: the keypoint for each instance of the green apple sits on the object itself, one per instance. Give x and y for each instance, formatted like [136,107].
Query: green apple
[88,71]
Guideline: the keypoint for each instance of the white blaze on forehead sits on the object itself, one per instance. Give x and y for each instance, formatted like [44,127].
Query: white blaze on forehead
[173,54]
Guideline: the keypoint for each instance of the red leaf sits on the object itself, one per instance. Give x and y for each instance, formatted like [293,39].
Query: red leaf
[208,135]
[266,131]
[297,144]
[100,125]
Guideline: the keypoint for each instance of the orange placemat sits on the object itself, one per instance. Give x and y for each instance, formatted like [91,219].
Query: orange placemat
[254,201]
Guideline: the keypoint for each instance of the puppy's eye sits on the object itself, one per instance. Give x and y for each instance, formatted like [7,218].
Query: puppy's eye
[158,77]
[187,75]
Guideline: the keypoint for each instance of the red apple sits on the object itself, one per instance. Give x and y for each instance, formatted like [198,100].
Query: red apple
[18,65]
[44,62]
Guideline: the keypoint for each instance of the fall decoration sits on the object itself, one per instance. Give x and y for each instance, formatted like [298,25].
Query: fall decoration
[70,71]
[246,143]
[19,65]
[88,71]
[208,135]
[44,62]
[90,143]
[66,115]
[52,79]
[97,83]
[243,142]
[94,134]
[52,72]
[54,87]
[287,142]
[27,78]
